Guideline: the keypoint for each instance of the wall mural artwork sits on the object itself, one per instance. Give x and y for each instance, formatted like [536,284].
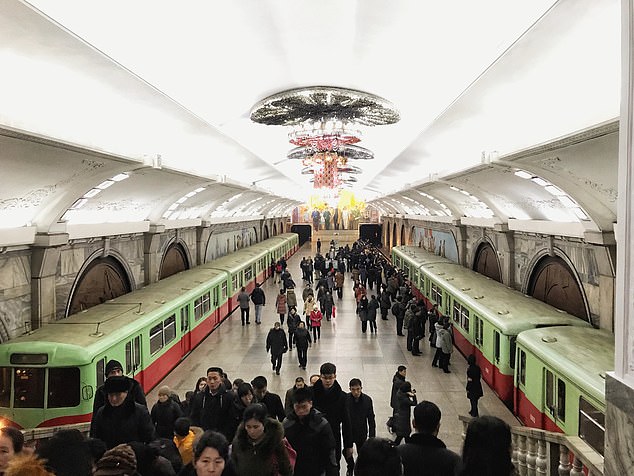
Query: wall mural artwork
[441,243]
[221,244]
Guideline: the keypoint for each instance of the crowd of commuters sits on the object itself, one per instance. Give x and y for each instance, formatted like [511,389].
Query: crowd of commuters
[240,428]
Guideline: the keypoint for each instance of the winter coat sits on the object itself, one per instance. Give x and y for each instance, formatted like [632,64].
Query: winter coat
[327,302]
[362,309]
[423,450]
[308,291]
[273,404]
[444,337]
[314,442]
[280,303]
[243,300]
[213,411]
[332,403]
[397,382]
[339,279]
[291,299]
[316,318]
[373,305]
[164,414]
[385,300]
[185,445]
[474,385]
[302,338]
[236,413]
[292,321]
[257,296]
[255,459]
[128,422]
[403,416]
[276,341]
[361,411]
[309,304]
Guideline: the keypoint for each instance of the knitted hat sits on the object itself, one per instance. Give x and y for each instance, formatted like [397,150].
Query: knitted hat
[165,390]
[116,384]
[118,461]
[113,365]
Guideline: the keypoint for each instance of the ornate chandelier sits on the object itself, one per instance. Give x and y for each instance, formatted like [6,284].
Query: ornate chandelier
[324,121]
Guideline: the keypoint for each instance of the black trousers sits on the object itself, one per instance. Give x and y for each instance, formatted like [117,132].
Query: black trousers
[474,407]
[302,355]
[244,314]
[276,361]
[291,338]
[340,292]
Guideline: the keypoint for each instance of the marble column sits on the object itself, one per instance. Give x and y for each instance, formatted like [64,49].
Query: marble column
[44,260]
[619,440]
[152,261]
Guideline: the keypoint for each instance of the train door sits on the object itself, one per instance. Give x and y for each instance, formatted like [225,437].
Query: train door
[186,338]
[497,351]
[133,359]
[215,293]
[554,402]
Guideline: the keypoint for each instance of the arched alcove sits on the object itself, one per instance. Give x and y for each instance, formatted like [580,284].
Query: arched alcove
[403,240]
[266,232]
[394,235]
[554,282]
[104,278]
[274,229]
[486,262]
[174,261]
[255,236]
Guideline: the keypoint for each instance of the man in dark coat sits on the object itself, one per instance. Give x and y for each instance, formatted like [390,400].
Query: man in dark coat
[397,382]
[121,419]
[302,342]
[135,392]
[310,435]
[272,401]
[361,411]
[259,300]
[330,399]
[276,342]
[211,408]
[423,449]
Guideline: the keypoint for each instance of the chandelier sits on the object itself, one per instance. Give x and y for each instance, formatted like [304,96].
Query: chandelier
[324,121]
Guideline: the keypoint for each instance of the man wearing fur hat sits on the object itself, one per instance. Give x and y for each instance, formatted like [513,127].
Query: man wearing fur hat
[118,461]
[115,369]
[121,419]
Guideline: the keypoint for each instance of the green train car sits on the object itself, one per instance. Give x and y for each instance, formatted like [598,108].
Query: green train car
[560,381]
[48,377]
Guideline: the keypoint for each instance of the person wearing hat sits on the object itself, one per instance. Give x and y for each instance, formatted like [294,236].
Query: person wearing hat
[118,461]
[121,419]
[115,369]
[164,413]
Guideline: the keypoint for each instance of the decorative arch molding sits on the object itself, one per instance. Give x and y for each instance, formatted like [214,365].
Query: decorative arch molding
[554,280]
[485,260]
[255,233]
[176,258]
[274,229]
[394,234]
[102,277]
[403,240]
[266,235]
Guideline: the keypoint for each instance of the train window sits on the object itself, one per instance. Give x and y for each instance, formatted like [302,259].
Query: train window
[496,346]
[512,352]
[406,270]
[137,352]
[128,357]
[184,319]
[234,282]
[63,387]
[456,311]
[479,332]
[465,319]
[549,382]
[522,369]
[591,425]
[156,338]
[198,308]
[561,400]
[169,329]
[28,388]
[436,295]
[206,304]
[101,371]
[224,291]
[248,273]
[5,386]
[216,299]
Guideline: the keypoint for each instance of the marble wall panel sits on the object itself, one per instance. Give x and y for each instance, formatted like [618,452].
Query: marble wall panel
[619,435]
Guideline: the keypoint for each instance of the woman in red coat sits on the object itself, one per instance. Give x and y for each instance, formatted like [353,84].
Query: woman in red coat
[315,322]
[280,304]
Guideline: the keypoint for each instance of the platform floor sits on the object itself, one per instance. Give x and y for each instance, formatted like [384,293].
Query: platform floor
[373,358]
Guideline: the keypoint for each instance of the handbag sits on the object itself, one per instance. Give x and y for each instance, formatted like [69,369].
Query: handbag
[292,457]
[334,311]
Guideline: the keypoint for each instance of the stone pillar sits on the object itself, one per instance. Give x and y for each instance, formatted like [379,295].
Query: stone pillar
[619,452]
[203,233]
[152,262]
[506,253]
[44,261]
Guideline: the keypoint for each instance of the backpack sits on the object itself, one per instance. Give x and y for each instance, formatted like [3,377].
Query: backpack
[395,309]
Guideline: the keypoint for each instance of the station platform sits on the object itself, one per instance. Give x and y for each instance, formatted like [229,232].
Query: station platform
[373,358]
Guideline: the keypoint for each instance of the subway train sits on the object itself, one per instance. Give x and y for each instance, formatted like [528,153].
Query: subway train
[48,377]
[546,365]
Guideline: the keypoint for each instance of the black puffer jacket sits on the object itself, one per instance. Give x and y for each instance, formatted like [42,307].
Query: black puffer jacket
[128,422]
[332,404]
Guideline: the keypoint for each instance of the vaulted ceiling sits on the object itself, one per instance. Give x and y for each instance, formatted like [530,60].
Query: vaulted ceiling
[508,109]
